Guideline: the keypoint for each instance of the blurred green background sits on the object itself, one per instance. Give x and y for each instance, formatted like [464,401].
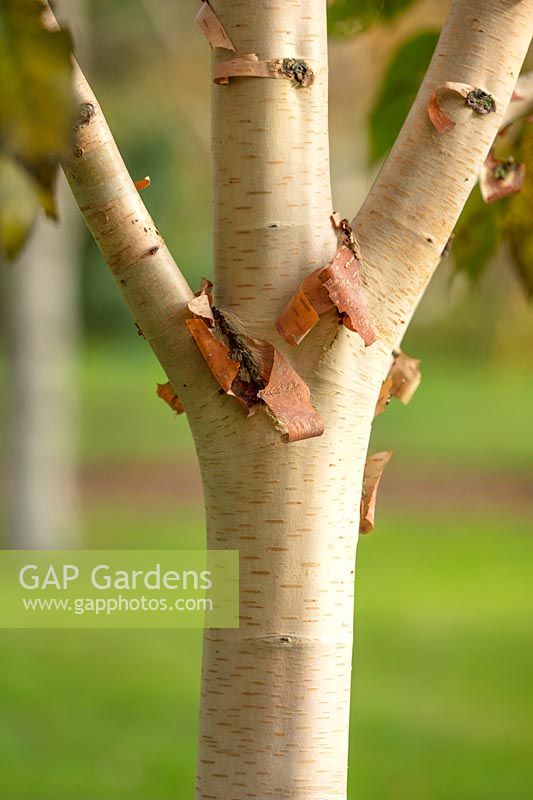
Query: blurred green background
[443,686]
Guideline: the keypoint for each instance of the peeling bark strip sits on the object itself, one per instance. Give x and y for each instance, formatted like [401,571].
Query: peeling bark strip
[499,179]
[144,183]
[402,381]
[477,99]
[216,354]
[167,393]
[212,28]
[252,371]
[338,285]
[285,394]
[249,66]
[201,303]
[374,468]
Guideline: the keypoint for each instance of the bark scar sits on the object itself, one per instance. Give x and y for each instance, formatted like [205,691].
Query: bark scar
[475,98]
[284,640]
[85,113]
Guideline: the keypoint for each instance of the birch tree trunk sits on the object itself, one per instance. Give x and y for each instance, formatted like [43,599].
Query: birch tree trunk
[276,692]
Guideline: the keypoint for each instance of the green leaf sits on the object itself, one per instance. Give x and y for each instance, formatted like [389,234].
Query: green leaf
[398,91]
[35,82]
[516,221]
[36,114]
[349,17]
[477,236]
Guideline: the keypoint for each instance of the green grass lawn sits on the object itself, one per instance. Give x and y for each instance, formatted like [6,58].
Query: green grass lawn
[443,697]
[122,417]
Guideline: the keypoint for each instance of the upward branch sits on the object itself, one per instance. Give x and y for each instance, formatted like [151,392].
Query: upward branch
[522,104]
[143,267]
[412,208]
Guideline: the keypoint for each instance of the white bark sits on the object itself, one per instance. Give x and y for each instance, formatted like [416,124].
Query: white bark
[275,695]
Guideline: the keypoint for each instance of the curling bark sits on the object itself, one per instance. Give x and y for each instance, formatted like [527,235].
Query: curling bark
[275,692]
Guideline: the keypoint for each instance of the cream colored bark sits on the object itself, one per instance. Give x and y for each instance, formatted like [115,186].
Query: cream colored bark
[42,346]
[275,692]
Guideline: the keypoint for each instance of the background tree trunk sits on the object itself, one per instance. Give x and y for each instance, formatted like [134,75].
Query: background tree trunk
[43,341]
[42,311]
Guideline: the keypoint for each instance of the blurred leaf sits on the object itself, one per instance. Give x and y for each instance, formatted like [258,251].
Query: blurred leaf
[516,221]
[349,17]
[398,91]
[477,236]
[35,82]
[35,115]
[44,171]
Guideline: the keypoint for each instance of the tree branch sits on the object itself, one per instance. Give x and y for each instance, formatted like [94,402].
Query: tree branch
[416,200]
[147,275]
[523,104]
